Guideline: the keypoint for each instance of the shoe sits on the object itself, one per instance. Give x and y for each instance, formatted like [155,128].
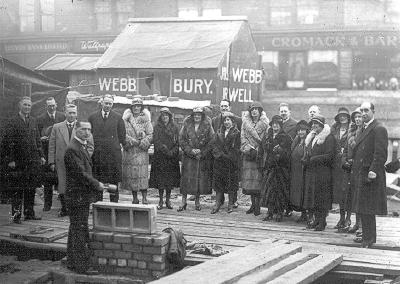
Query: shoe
[46,208]
[168,205]
[278,217]
[251,210]
[17,220]
[214,210]
[181,208]
[312,225]
[135,201]
[358,240]
[367,244]
[30,217]
[302,218]
[235,205]
[62,213]
[320,227]
[353,229]
[269,217]
[230,208]
[340,224]
[145,202]
[359,234]
[288,213]
[160,205]
[197,207]
[257,211]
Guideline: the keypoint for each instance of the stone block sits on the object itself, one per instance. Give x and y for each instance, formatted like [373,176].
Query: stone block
[141,272]
[154,250]
[132,263]
[103,236]
[122,254]
[142,256]
[112,261]
[158,258]
[142,264]
[112,246]
[123,270]
[144,240]
[102,261]
[123,217]
[103,253]
[156,266]
[160,239]
[122,262]
[96,245]
[123,238]
[131,248]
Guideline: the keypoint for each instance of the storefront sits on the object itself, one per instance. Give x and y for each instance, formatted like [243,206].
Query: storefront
[330,59]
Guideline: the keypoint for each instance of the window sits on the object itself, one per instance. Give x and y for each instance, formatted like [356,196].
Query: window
[47,15]
[125,10]
[270,67]
[296,70]
[307,11]
[27,15]
[392,13]
[154,82]
[323,68]
[188,9]
[211,8]
[281,12]
[102,10]
[195,8]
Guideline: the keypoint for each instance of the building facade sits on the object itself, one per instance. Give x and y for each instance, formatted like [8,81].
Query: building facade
[343,44]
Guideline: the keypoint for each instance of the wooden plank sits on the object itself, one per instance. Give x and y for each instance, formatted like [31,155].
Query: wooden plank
[309,271]
[354,275]
[265,275]
[234,264]
[41,236]
[382,268]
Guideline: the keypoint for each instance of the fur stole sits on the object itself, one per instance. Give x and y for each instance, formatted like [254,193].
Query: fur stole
[255,129]
[320,138]
[143,117]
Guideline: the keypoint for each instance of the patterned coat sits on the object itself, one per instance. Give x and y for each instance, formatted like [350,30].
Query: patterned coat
[226,152]
[135,158]
[370,154]
[251,136]
[339,191]
[165,172]
[108,135]
[297,174]
[196,169]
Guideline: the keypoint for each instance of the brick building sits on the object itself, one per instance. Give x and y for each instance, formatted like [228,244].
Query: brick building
[303,43]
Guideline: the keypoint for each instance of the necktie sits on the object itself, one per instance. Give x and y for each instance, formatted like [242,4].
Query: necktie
[70,127]
[105,115]
[363,128]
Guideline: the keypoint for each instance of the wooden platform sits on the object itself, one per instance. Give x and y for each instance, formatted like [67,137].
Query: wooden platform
[238,230]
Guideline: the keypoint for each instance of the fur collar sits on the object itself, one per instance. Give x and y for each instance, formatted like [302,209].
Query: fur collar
[247,118]
[142,118]
[320,138]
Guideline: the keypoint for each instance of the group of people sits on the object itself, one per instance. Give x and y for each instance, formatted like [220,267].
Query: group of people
[282,164]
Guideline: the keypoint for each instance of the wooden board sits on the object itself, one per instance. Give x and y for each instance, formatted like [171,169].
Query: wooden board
[40,235]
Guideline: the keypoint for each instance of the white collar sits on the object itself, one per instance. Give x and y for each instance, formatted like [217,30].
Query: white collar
[83,142]
[366,124]
[51,114]
[103,113]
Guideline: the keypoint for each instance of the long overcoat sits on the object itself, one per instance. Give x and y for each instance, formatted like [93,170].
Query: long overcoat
[135,158]
[45,121]
[196,169]
[251,136]
[108,136]
[339,191]
[318,173]
[226,152]
[275,189]
[165,172]
[290,127]
[297,174]
[370,154]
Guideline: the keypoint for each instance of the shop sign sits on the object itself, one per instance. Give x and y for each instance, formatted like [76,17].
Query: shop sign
[117,84]
[35,47]
[196,86]
[90,45]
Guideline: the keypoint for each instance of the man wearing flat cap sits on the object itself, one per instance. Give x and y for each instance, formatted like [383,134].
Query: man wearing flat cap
[108,130]
[23,156]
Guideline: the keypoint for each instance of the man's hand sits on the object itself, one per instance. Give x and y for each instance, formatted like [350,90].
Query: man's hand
[371,175]
[52,167]
[42,161]
[101,186]
[11,165]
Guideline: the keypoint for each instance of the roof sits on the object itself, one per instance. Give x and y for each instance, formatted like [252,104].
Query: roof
[69,62]
[172,43]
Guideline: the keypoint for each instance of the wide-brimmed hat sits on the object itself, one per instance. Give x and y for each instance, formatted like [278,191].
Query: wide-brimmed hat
[166,110]
[276,119]
[198,110]
[137,101]
[256,105]
[353,114]
[318,119]
[342,111]
[302,124]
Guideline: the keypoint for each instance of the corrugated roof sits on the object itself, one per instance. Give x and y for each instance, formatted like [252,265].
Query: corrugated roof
[70,62]
[171,43]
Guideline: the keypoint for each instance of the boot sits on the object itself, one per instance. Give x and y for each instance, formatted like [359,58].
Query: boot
[251,209]
[160,203]
[144,197]
[314,223]
[167,198]
[302,218]
[197,205]
[63,212]
[356,226]
[230,202]
[257,206]
[340,223]
[135,199]
[218,202]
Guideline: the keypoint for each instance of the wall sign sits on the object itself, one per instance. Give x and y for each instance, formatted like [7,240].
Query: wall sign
[22,47]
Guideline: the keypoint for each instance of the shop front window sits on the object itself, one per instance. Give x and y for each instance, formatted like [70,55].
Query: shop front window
[296,70]
[103,14]
[307,11]
[27,15]
[270,68]
[281,12]
[125,10]
[154,82]
[47,15]
[322,68]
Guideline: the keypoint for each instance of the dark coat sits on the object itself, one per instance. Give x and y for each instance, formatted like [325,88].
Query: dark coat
[81,185]
[318,172]
[226,152]
[218,121]
[165,172]
[44,122]
[370,154]
[290,127]
[108,135]
[275,189]
[195,170]
[339,192]
[297,174]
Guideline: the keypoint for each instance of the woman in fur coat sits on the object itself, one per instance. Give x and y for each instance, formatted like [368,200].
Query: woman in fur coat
[135,156]
[195,140]
[276,149]
[318,161]
[226,152]
[254,128]
[165,173]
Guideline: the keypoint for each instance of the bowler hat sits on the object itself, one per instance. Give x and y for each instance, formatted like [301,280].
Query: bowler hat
[277,119]
[353,114]
[302,124]
[341,111]
[318,119]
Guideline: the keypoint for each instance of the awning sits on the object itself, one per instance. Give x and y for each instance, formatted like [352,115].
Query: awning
[172,43]
[70,62]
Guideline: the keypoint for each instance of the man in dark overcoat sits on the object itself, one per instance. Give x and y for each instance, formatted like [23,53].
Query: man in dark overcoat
[368,173]
[108,134]
[81,189]
[45,122]
[289,124]
[23,156]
